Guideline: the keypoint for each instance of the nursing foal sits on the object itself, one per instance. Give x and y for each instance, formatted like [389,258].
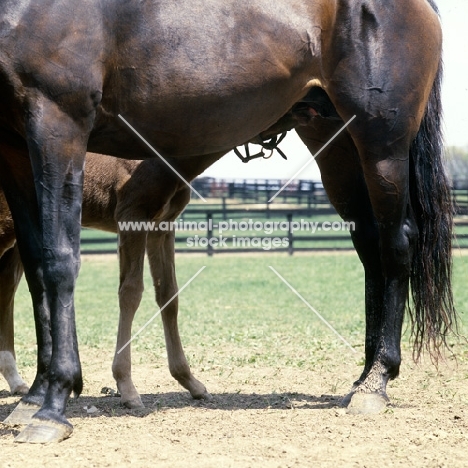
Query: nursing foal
[116,190]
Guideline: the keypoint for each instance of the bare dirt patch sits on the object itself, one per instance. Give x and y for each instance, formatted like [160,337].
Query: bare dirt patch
[265,417]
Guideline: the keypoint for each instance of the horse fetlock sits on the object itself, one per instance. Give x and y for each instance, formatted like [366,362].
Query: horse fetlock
[21,389]
[133,403]
[129,396]
[121,370]
[36,394]
[66,381]
[387,364]
[180,371]
[368,394]
[10,373]
[375,381]
[184,376]
[198,390]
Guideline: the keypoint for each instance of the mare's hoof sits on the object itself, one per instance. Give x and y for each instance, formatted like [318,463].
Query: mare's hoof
[367,403]
[22,414]
[44,432]
[346,400]
[22,389]
[135,403]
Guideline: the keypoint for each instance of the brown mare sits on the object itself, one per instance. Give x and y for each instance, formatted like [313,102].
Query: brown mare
[197,78]
[115,190]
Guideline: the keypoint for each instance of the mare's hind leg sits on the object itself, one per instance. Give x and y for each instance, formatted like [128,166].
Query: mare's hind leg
[383,77]
[11,271]
[131,260]
[344,183]
[387,185]
[160,249]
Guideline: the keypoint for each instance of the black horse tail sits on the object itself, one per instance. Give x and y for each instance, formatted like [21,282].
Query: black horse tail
[433,314]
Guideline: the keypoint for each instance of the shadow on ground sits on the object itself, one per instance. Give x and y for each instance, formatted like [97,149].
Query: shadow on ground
[110,405]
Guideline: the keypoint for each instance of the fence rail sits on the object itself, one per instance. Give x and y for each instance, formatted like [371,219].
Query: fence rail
[249,199]
[205,240]
[303,192]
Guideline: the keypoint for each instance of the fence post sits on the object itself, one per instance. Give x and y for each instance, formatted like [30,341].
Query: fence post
[290,235]
[224,209]
[209,234]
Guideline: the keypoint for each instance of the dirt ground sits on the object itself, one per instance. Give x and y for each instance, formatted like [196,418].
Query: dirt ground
[259,417]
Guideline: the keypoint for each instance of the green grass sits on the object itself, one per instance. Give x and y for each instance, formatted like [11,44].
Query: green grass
[237,312]
[105,240]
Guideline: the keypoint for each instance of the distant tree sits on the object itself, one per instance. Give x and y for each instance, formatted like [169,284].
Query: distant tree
[457,165]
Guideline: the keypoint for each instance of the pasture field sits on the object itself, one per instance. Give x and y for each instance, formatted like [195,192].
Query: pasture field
[275,371]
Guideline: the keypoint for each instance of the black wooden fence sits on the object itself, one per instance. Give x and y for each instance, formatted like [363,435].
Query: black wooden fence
[304,192]
[302,199]
[308,193]
[325,231]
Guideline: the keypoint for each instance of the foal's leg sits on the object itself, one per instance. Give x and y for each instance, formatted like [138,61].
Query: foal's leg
[160,249]
[11,271]
[131,260]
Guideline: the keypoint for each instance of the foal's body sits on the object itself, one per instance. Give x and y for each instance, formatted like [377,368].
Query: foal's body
[115,190]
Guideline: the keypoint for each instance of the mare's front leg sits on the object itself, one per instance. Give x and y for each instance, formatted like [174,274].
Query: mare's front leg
[48,237]
[160,249]
[131,259]
[11,271]
[18,183]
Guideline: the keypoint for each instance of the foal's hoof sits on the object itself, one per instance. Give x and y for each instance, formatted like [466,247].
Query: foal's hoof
[204,396]
[44,432]
[198,391]
[367,403]
[22,389]
[22,414]
[134,403]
